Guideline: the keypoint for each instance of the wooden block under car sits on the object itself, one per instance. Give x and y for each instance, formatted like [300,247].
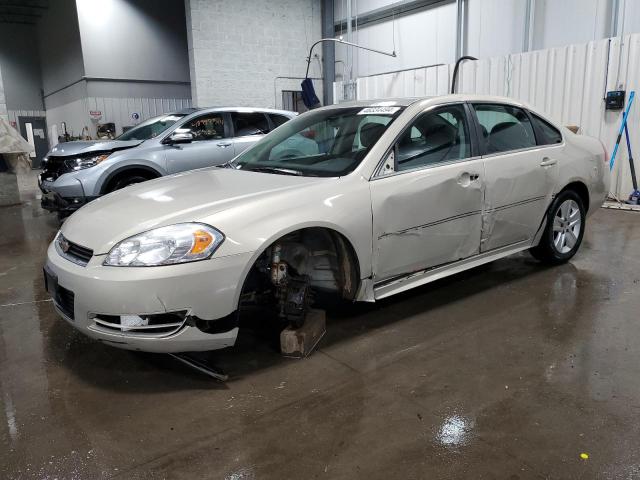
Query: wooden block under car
[300,342]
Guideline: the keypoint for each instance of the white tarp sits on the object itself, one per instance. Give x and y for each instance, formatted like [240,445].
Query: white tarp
[11,141]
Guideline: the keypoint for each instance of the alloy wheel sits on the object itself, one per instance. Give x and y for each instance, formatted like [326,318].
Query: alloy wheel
[567,223]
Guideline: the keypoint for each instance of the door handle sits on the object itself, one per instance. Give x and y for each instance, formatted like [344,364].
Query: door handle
[224,144]
[548,162]
[465,179]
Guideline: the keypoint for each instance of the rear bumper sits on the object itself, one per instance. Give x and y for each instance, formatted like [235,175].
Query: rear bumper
[206,290]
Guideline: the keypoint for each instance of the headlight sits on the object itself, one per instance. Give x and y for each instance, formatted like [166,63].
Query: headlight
[181,243]
[85,162]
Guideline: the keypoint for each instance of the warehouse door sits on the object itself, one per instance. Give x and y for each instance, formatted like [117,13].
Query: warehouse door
[34,131]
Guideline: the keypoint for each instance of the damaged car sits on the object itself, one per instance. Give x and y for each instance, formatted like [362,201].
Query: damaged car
[353,202]
[75,173]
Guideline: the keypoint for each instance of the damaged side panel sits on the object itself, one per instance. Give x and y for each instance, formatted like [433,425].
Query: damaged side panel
[518,191]
[428,217]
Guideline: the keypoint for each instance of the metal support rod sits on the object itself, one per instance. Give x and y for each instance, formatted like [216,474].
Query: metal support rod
[455,71]
[336,40]
[529,19]
[328,52]
[632,167]
[615,12]
[460,29]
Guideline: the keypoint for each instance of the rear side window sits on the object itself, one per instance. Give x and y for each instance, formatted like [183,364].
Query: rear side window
[278,119]
[249,124]
[504,128]
[549,133]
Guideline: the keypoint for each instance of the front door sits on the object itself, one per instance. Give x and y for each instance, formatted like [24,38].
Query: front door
[520,176]
[34,130]
[427,197]
[211,144]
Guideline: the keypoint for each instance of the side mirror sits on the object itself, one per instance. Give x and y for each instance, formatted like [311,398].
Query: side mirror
[180,137]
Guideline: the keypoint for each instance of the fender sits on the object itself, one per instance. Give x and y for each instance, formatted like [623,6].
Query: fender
[124,168]
[281,233]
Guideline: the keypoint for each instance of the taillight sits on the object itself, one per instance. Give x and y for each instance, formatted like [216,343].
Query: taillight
[606,153]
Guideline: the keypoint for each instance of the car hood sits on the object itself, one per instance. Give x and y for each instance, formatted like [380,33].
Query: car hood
[185,197]
[83,147]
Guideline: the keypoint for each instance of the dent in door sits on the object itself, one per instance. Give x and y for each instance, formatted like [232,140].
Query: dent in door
[403,250]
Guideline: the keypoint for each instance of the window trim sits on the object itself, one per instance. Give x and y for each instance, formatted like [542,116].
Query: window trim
[473,143]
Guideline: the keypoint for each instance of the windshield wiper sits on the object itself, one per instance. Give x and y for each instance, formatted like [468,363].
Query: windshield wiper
[280,171]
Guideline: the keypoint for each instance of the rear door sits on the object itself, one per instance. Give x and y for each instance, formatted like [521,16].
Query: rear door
[211,143]
[248,128]
[520,175]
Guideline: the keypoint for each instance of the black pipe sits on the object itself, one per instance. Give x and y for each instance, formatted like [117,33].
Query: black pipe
[455,71]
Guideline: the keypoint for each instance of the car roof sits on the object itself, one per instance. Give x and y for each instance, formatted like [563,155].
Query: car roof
[406,101]
[188,111]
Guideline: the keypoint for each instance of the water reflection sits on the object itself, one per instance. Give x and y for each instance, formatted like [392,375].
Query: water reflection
[455,431]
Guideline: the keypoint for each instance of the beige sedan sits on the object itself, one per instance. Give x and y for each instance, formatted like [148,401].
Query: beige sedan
[358,201]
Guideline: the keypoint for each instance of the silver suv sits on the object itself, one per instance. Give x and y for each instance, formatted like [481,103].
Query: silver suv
[75,173]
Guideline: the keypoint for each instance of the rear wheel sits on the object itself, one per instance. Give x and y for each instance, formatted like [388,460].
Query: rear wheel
[563,233]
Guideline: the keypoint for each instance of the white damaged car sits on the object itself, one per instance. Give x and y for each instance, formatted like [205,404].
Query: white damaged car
[360,201]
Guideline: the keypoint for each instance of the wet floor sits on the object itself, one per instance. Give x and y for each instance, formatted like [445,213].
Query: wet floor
[510,371]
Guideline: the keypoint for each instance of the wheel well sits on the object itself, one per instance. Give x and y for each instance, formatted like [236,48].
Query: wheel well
[582,191]
[324,255]
[145,172]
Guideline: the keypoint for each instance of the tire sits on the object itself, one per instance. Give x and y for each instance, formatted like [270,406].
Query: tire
[564,230]
[125,181]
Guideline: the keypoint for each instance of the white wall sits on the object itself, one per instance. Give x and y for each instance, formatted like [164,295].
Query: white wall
[493,27]
[570,21]
[423,38]
[567,83]
[144,40]
[20,67]
[237,49]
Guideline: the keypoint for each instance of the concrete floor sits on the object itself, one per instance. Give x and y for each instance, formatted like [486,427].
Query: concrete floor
[510,371]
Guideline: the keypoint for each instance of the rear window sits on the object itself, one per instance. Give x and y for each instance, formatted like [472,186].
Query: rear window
[548,132]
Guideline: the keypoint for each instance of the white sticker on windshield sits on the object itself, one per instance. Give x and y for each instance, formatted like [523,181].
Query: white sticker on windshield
[378,111]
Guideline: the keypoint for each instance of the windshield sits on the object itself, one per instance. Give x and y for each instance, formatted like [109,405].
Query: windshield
[151,128]
[323,143]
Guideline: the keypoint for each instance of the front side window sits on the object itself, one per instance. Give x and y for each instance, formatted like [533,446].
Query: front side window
[254,123]
[549,133]
[504,128]
[150,128]
[438,136]
[206,127]
[325,143]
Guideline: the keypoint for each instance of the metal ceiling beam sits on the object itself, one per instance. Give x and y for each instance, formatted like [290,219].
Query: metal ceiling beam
[394,10]
[615,12]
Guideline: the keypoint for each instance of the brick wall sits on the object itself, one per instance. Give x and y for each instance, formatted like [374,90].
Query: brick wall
[237,49]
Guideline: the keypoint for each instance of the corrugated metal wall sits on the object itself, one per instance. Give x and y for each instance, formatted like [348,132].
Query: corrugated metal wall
[566,83]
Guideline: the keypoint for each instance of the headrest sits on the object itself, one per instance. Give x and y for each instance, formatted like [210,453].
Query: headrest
[370,133]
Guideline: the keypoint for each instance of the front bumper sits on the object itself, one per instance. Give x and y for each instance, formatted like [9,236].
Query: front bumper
[207,290]
[67,197]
